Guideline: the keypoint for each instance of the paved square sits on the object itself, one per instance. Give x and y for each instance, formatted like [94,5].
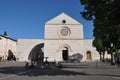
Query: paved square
[70,71]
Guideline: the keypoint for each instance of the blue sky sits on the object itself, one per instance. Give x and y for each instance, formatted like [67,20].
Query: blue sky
[26,18]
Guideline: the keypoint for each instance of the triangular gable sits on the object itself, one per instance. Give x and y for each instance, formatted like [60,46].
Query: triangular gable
[61,18]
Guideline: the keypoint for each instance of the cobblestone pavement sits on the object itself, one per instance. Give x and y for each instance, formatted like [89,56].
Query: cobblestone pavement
[70,71]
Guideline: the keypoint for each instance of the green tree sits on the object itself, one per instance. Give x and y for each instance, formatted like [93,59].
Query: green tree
[104,14]
[98,43]
[5,33]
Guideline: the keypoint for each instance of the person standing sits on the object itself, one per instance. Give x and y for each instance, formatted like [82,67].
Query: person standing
[118,62]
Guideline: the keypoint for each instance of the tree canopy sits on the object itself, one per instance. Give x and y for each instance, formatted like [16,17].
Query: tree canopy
[5,33]
[105,15]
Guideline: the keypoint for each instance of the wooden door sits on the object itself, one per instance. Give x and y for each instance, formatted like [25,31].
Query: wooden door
[88,56]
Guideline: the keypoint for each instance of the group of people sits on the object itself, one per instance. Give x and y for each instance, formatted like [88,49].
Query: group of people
[118,62]
[31,66]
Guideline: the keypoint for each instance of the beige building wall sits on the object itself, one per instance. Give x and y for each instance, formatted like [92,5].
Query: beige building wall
[88,47]
[53,31]
[55,41]
[53,48]
[7,44]
[25,46]
[54,26]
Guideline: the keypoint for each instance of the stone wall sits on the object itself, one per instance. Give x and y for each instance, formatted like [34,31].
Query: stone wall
[25,46]
[7,44]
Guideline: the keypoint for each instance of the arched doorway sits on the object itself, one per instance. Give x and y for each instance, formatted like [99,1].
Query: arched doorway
[88,55]
[65,53]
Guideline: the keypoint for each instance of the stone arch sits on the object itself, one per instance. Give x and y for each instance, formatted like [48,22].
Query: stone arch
[11,55]
[36,51]
[64,51]
[64,46]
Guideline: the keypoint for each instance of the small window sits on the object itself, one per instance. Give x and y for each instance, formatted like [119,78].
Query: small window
[64,21]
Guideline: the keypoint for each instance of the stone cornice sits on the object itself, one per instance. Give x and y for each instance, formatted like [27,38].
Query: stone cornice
[9,38]
[63,39]
[60,24]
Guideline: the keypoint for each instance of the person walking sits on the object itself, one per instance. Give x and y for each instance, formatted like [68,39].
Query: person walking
[118,62]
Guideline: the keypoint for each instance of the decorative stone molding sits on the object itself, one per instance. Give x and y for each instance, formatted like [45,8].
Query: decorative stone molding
[66,46]
[64,32]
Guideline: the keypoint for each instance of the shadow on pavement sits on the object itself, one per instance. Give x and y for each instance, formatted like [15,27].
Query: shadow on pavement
[52,72]
[37,71]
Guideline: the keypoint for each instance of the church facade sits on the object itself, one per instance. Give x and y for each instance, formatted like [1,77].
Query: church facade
[63,40]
